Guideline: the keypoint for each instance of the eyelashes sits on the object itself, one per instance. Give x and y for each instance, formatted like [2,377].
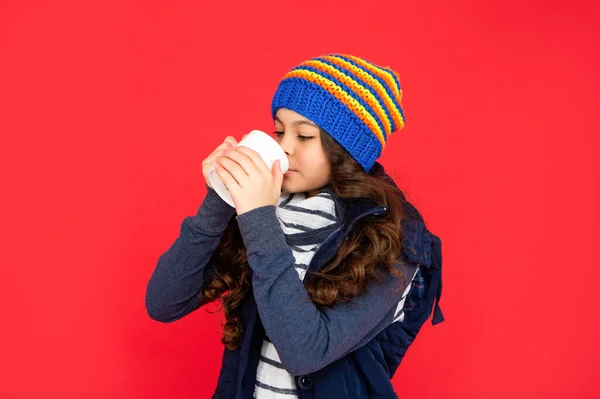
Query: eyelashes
[302,138]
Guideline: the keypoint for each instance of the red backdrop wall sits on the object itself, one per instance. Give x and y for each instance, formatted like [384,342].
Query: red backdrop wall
[107,110]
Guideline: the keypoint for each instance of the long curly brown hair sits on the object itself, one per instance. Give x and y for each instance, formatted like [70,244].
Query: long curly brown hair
[369,253]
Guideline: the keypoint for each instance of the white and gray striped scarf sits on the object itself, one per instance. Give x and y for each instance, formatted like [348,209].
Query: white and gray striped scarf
[306,222]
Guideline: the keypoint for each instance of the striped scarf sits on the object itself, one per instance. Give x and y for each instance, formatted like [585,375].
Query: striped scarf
[306,222]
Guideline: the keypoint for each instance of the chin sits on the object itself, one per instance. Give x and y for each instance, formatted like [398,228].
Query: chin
[290,188]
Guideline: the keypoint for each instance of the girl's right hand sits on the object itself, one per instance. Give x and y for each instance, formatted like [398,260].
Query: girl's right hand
[209,163]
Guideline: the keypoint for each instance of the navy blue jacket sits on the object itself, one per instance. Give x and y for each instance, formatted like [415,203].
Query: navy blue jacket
[350,350]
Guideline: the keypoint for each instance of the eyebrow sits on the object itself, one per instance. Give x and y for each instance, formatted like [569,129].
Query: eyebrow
[298,122]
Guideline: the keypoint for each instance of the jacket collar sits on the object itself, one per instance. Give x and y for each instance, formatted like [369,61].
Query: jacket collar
[416,242]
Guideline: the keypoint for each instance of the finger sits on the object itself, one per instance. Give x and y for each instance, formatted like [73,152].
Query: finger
[228,144]
[242,161]
[230,183]
[277,173]
[230,141]
[224,146]
[256,159]
[233,167]
[213,157]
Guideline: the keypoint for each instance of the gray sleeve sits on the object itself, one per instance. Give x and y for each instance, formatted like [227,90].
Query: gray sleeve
[307,337]
[175,285]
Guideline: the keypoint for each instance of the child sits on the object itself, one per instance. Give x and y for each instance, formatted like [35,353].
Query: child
[325,274]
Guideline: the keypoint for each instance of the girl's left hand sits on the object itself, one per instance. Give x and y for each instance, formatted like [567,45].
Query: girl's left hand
[248,178]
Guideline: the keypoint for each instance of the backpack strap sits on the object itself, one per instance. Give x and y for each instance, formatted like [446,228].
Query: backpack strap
[438,317]
[425,248]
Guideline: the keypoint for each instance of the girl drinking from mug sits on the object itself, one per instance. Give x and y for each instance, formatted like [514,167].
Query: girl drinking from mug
[325,274]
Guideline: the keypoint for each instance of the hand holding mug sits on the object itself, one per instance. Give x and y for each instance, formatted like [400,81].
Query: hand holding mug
[248,175]
[249,180]
[208,163]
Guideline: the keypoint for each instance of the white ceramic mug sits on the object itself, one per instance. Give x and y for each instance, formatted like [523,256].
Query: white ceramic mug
[268,149]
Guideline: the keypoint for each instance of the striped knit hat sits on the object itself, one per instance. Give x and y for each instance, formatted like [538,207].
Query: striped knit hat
[356,102]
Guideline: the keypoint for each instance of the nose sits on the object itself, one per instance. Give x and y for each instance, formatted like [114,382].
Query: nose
[285,142]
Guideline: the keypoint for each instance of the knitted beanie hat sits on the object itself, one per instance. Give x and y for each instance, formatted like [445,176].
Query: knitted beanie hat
[356,102]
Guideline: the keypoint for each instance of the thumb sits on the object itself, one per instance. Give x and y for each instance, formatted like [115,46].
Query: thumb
[277,173]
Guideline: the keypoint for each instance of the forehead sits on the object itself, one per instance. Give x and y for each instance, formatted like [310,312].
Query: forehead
[289,117]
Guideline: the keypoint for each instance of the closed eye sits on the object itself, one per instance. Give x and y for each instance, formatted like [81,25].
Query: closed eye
[303,138]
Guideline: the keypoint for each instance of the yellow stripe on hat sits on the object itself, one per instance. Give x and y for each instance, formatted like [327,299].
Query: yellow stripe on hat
[342,96]
[385,75]
[375,84]
[359,89]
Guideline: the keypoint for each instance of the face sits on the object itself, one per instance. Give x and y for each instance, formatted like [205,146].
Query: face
[300,138]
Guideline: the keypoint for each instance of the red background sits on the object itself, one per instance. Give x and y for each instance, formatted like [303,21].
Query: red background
[108,109]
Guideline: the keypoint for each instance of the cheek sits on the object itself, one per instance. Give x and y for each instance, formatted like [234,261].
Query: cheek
[318,164]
